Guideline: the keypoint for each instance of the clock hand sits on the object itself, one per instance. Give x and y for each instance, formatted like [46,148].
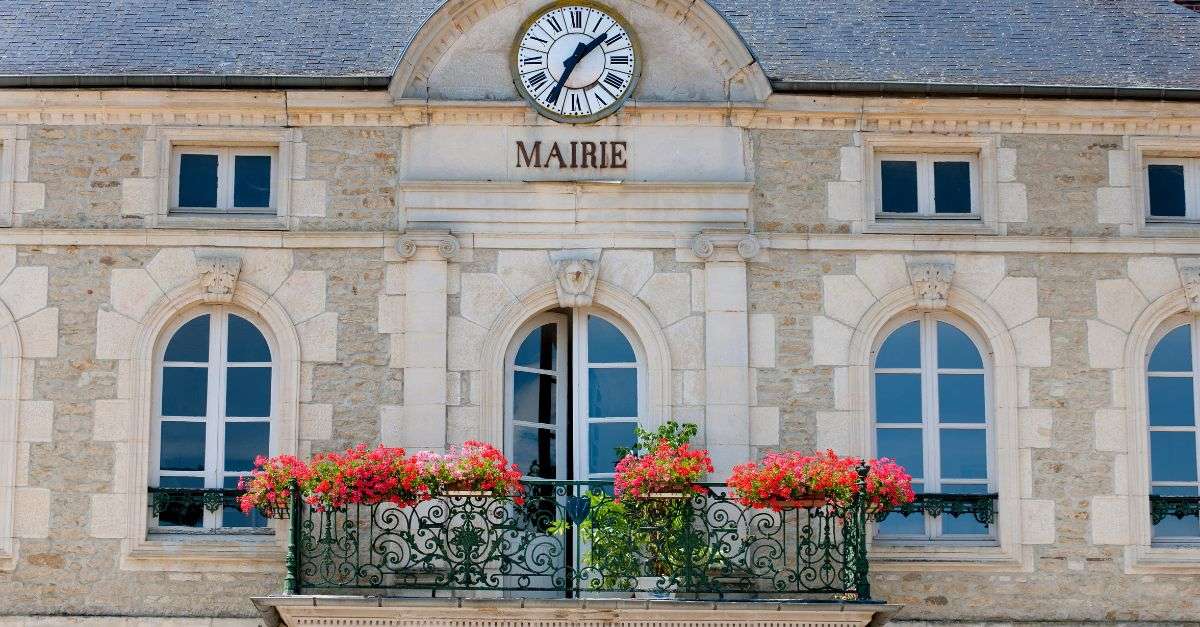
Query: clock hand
[593,44]
[568,67]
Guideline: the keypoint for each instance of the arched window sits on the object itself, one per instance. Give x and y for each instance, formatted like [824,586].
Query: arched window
[932,414]
[1171,393]
[574,393]
[214,401]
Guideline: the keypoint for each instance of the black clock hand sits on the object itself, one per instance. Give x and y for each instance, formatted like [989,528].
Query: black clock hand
[568,67]
[593,44]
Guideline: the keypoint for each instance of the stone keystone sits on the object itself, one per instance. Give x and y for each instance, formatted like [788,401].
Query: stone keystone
[218,275]
[575,276]
[931,282]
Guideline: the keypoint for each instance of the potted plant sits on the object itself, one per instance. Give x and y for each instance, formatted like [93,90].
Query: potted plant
[471,470]
[359,476]
[795,480]
[662,464]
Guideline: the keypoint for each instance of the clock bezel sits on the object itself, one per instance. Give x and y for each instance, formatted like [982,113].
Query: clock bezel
[550,114]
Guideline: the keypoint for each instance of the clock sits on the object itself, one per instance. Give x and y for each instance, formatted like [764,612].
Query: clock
[575,61]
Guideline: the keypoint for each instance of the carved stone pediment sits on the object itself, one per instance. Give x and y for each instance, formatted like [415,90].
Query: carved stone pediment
[931,281]
[218,275]
[575,276]
[1189,274]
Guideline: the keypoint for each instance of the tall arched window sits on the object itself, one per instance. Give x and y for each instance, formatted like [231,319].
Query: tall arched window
[932,414]
[574,393]
[214,401]
[1171,392]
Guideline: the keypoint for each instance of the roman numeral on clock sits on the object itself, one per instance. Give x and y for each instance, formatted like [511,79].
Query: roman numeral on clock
[576,18]
[614,80]
[619,59]
[615,38]
[537,80]
[531,61]
[554,23]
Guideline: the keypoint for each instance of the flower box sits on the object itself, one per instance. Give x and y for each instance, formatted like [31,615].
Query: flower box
[793,480]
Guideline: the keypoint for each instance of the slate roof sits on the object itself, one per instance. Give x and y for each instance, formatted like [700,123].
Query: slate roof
[838,44]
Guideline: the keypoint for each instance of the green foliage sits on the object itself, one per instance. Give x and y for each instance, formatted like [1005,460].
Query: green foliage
[673,432]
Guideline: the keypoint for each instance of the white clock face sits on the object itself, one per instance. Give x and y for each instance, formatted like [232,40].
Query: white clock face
[576,63]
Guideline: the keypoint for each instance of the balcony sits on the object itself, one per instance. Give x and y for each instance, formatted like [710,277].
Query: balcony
[570,554]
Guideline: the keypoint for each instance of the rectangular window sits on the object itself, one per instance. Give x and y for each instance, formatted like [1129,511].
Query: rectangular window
[208,179]
[1172,189]
[928,186]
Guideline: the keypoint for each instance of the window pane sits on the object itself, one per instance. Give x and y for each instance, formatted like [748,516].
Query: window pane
[182,513]
[901,349]
[1166,190]
[251,181]
[961,398]
[604,440]
[197,180]
[1173,353]
[539,348]
[955,349]
[246,343]
[190,342]
[899,186]
[612,392]
[534,397]
[232,516]
[965,524]
[181,446]
[952,187]
[606,343]
[897,525]
[964,453]
[1172,456]
[1171,401]
[248,392]
[534,451]
[898,398]
[904,446]
[1172,527]
[243,442]
[184,391]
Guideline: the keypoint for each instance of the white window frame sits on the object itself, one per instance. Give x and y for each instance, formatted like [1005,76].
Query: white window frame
[215,419]
[926,197]
[930,425]
[1194,342]
[226,157]
[575,350]
[1191,188]
[561,374]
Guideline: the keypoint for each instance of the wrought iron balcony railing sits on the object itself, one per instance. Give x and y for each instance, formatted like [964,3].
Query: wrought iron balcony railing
[980,506]
[1178,506]
[572,539]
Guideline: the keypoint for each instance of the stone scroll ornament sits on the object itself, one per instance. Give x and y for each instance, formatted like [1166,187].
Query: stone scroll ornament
[575,276]
[218,276]
[931,282]
[1189,274]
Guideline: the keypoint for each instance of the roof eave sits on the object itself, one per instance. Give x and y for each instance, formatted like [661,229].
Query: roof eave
[881,88]
[192,81]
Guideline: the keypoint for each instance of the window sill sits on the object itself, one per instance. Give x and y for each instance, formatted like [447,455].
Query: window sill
[1180,559]
[1170,228]
[207,551]
[256,222]
[929,225]
[947,556]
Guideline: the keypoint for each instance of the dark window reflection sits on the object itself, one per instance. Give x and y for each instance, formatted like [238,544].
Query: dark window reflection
[1167,197]
[952,186]
[899,186]
[251,181]
[197,180]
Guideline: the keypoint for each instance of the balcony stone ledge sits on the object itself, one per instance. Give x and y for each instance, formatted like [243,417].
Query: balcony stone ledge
[356,611]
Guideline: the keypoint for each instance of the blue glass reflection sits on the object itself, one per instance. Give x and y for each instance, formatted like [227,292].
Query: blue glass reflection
[605,439]
[898,398]
[190,342]
[197,180]
[612,392]
[539,348]
[232,516]
[534,397]
[952,187]
[248,392]
[904,446]
[1171,401]
[243,442]
[955,349]
[251,181]
[184,391]
[964,453]
[899,186]
[606,343]
[901,349]
[1167,197]
[1173,353]
[246,342]
[181,445]
[961,398]
[1172,456]
[535,451]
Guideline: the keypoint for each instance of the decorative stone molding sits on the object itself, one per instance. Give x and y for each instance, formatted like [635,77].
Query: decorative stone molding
[1189,275]
[445,244]
[931,283]
[707,245]
[575,276]
[218,276]
[18,195]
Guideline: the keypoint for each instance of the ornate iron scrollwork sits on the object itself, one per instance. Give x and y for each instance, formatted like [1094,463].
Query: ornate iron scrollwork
[1178,506]
[981,506]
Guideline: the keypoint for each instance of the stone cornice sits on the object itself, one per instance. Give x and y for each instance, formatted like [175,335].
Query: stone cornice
[781,111]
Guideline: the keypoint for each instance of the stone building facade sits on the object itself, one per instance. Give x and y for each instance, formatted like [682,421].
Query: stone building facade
[741,249]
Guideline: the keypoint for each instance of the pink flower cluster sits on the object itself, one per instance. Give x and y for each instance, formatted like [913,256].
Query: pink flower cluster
[782,478]
[666,468]
[331,481]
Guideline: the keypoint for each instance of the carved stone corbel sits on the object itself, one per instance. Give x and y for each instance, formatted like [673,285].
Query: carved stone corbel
[575,276]
[703,247]
[1189,275]
[931,281]
[218,275]
[747,245]
[443,242]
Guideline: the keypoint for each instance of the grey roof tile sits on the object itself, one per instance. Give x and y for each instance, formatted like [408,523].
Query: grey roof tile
[1110,43]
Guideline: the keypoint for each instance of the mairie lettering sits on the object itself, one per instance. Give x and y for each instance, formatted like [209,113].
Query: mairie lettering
[573,155]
